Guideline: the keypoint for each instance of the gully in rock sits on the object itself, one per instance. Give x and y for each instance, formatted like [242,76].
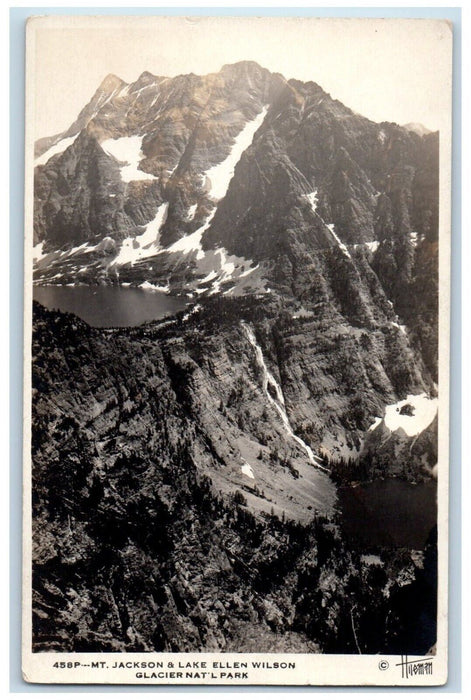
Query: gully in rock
[279,403]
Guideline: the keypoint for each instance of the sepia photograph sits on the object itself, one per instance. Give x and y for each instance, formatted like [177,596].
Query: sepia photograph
[236,345]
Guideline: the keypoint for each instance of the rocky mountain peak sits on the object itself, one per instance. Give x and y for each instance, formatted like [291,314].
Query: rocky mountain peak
[146,77]
[243,68]
[417,128]
[110,83]
[273,172]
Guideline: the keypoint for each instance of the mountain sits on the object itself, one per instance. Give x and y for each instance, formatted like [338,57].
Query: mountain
[239,182]
[305,238]
[174,510]
[417,128]
[223,158]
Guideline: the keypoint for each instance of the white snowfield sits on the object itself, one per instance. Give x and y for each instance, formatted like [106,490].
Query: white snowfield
[214,266]
[377,421]
[193,241]
[154,287]
[192,212]
[144,246]
[399,326]
[127,150]
[372,245]
[247,470]
[423,408]
[312,199]
[194,310]
[415,238]
[217,266]
[59,147]
[223,268]
[342,246]
[220,175]
[38,252]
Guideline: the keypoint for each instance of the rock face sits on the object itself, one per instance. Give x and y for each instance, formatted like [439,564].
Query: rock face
[271,170]
[308,235]
[174,512]
[181,126]
[252,181]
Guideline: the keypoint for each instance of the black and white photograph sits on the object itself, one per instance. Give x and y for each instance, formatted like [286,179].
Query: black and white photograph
[236,345]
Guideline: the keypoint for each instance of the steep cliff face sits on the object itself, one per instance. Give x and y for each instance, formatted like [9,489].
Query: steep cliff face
[372,181]
[168,131]
[177,508]
[242,182]
[288,145]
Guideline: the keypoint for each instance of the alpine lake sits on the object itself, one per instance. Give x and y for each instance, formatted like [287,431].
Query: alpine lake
[386,512]
[110,306]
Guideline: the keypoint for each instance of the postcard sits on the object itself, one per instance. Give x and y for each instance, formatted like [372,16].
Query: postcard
[237,294]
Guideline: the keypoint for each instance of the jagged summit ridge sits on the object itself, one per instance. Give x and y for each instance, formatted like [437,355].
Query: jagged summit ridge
[206,184]
[110,83]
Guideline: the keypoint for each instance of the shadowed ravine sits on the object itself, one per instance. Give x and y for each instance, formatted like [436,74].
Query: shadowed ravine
[279,402]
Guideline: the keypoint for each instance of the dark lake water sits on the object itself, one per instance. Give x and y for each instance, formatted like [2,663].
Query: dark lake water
[389,513]
[105,307]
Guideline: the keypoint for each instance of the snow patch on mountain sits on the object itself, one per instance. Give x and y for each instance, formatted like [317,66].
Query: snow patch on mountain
[151,235]
[303,313]
[413,415]
[99,105]
[247,470]
[38,252]
[250,270]
[220,175]
[193,310]
[221,267]
[124,91]
[377,421]
[144,246]
[268,380]
[48,263]
[372,246]
[191,243]
[192,212]
[401,328]
[154,287]
[127,150]
[312,199]
[59,147]
[415,238]
[342,247]
[212,268]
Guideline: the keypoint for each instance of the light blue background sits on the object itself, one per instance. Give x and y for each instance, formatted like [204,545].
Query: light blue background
[18,17]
